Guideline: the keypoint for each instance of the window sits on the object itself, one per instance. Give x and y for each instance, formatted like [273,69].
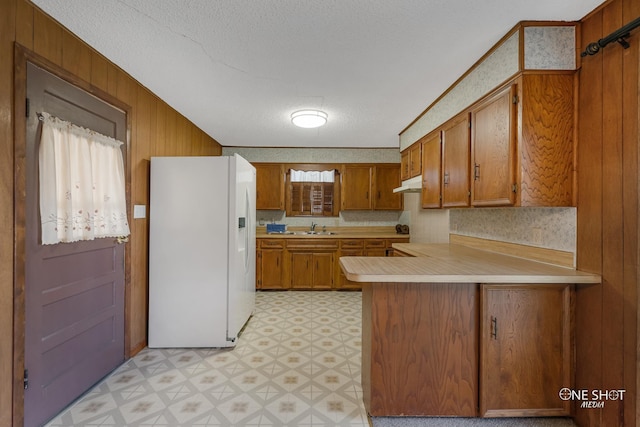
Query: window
[312,192]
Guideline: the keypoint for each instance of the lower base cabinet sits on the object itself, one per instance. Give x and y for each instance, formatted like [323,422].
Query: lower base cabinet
[466,349]
[525,354]
[312,263]
[311,270]
[270,264]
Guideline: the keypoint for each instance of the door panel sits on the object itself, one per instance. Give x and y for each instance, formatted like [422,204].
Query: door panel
[74,292]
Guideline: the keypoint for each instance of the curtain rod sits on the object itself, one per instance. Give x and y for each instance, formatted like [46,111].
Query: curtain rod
[617,36]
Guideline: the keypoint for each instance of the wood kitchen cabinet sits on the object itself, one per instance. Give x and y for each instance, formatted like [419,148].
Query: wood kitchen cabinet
[356,187]
[432,170]
[522,143]
[269,264]
[525,356]
[455,162]
[415,159]
[348,247]
[311,263]
[386,178]
[370,187]
[312,270]
[404,165]
[270,186]
[411,161]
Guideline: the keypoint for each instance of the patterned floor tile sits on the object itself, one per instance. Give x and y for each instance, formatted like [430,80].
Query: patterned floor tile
[297,363]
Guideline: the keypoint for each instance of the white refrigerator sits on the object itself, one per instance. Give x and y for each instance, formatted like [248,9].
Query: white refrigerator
[202,249]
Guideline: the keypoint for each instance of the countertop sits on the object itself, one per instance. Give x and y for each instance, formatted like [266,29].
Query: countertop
[451,263]
[333,233]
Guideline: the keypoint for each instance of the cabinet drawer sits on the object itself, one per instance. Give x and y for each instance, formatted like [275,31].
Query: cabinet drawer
[377,243]
[349,244]
[312,244]
[271,243]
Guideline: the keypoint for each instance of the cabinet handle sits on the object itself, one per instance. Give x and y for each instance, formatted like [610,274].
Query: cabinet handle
[367,195]
[494,327]
[476,172]
[379,194]
[446,178]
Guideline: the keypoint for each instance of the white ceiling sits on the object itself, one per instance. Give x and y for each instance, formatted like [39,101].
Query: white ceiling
[239,68]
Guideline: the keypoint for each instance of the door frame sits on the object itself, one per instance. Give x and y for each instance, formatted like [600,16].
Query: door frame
[21,56]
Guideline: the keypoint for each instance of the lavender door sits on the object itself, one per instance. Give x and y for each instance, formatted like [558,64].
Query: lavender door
[74,292]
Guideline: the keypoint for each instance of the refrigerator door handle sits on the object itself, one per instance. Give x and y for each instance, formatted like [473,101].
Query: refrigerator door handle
[249,225]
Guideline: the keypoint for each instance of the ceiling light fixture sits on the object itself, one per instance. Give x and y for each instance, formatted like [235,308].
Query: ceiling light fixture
[309,118]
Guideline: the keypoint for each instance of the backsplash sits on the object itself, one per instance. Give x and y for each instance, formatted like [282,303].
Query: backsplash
[346,219]
[552,228]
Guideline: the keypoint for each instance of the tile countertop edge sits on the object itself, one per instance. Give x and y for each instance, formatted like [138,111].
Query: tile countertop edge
[460,265]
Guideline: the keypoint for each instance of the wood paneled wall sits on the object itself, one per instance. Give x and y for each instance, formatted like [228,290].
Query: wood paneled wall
[606,316]
[155,129]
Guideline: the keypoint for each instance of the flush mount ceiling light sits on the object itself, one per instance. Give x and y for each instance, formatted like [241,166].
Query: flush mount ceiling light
[309,118]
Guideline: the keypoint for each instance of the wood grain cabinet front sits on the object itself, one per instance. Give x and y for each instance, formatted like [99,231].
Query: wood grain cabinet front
[522,143]
[370,187]
[525,353]
[269,186]
[455,162]
[269,264]
[431,196]
[312,270]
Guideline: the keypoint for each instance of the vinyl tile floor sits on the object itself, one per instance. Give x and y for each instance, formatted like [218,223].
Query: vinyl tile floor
[297,363]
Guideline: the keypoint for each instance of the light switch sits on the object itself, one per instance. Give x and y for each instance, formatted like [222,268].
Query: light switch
[139,211]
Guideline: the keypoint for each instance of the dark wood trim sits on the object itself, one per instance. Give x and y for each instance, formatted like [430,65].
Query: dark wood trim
[21,57]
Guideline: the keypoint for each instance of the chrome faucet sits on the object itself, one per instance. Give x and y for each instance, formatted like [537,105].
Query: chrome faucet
[313,226]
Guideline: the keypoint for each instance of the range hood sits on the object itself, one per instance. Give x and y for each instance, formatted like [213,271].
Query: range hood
[412,185]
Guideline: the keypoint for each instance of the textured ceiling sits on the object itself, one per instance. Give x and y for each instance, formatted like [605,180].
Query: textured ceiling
[239,68]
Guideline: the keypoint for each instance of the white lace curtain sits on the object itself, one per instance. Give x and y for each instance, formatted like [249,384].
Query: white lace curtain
[82,188]
[312,176]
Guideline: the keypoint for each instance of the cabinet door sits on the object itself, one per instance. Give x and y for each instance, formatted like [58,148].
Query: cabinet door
[343,283]
[404,165]
[525,356]
[269,186]
[271,269]
[493,145]
[387,177]
[301,270]
[455,163]
[431,171]
[323,270]
[356,187]
[415,160]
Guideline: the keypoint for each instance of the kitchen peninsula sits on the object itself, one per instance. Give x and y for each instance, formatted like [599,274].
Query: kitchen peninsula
[450,330]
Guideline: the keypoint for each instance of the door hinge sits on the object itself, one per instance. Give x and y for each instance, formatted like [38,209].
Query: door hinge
[515,99]
[26,379]
[27,107]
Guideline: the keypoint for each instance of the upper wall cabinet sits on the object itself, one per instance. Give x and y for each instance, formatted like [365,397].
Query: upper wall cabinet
[432,170]
[367,187]
[269,186]
[411,161]
[455,162]
[522,143]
